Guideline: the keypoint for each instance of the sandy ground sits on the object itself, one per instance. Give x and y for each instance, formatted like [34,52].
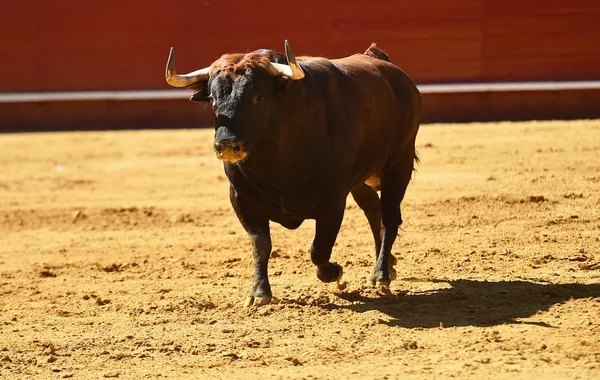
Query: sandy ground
[121,257]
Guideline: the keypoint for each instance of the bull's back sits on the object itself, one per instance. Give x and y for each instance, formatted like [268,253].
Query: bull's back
[383,113]
[395,96]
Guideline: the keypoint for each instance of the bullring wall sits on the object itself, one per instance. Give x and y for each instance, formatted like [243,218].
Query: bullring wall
[75,45]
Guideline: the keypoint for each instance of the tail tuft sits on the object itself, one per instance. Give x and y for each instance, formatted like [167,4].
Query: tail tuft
[375,52]
[417,161]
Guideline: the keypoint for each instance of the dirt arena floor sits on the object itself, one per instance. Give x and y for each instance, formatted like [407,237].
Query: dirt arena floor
[120,257]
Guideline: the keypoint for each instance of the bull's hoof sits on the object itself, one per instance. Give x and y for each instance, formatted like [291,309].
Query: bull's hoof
[257,301]
[330,273]
[381,284]
[380,278]
[383,287]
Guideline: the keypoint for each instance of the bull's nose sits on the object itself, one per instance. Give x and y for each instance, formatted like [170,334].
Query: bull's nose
[228,144]
[230,150]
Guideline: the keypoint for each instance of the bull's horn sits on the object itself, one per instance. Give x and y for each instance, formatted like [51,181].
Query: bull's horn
[185,80]
[292,70]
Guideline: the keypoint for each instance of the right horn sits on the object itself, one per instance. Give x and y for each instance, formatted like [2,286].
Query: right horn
[185,80]
[292,70]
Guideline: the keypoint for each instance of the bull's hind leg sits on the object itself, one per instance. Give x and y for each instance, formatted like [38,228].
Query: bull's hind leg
[394,181]
[367,199]
[258,230]
[328,218]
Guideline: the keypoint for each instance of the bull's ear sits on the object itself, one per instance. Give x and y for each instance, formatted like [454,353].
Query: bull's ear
[200,91]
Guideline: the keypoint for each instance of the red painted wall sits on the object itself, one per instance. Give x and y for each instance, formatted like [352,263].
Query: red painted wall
[66,45]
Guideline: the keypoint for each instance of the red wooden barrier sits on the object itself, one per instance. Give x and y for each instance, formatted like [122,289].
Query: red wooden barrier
[71,45]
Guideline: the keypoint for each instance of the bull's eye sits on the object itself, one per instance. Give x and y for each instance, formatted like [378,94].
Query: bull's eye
[258,99]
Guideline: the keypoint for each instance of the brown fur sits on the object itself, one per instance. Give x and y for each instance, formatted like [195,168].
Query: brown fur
[238,63]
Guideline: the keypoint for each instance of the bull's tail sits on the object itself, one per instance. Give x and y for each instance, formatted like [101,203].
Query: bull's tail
[375,52]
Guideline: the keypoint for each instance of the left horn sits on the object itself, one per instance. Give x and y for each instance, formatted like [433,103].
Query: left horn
[292,70]
[185,80]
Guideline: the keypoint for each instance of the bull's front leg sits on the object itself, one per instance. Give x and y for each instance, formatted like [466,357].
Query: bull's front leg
[258,230]
[328,219]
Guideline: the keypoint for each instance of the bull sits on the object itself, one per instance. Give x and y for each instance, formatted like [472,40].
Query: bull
[297,135]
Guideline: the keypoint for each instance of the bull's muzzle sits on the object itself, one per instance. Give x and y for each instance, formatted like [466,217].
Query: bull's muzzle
[230,150]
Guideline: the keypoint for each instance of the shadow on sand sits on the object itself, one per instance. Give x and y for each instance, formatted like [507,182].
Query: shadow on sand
[469,303]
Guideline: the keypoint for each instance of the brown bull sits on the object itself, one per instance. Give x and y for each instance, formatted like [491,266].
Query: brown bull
[297,138]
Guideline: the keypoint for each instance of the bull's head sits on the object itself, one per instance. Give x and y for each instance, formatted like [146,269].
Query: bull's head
[242,89]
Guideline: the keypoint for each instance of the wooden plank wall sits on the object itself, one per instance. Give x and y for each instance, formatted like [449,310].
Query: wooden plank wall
[74,45]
